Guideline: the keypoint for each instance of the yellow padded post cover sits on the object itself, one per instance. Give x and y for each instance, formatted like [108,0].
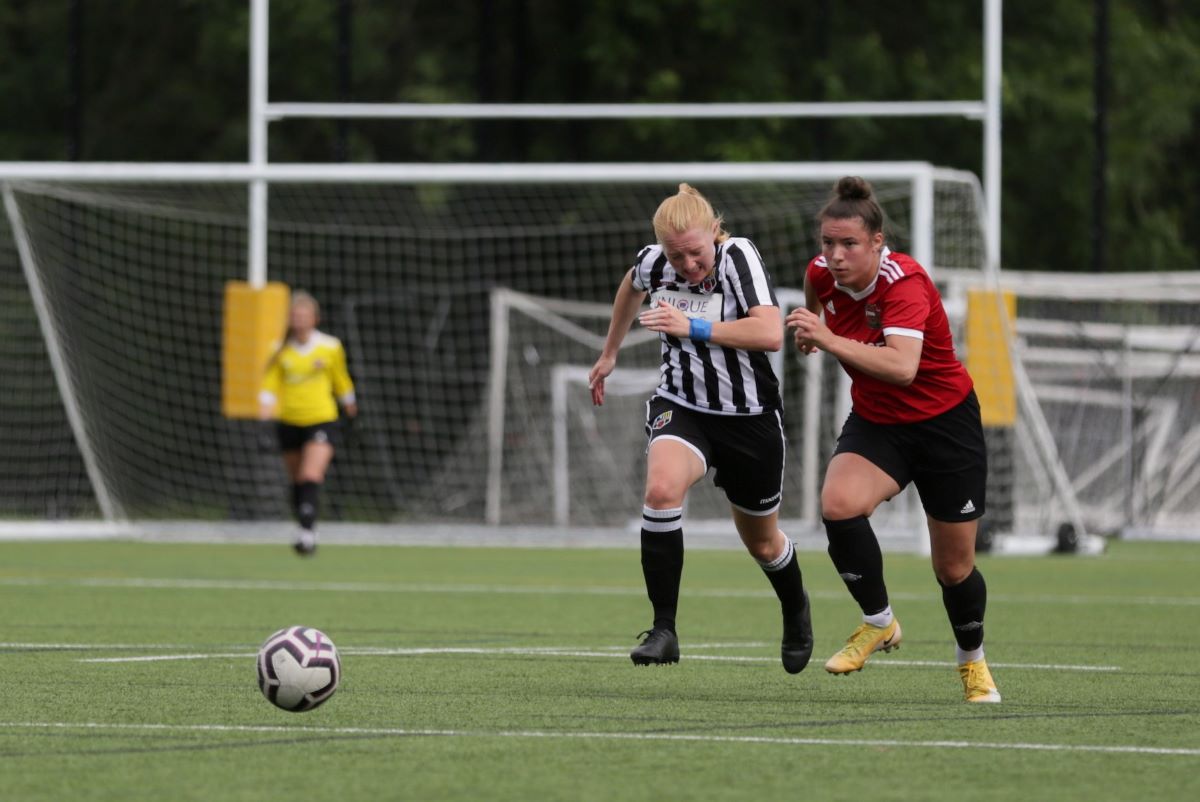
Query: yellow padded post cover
[988,358]
[254,326]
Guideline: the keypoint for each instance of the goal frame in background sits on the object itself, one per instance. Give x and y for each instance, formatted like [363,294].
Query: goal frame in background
[1128,352]
[921,183]
[921,177]
[957,281]
[505,302]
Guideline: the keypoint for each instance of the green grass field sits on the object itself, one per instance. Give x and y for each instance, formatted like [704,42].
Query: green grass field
[489,674]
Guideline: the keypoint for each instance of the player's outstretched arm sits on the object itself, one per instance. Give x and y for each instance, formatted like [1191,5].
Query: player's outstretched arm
[625,308]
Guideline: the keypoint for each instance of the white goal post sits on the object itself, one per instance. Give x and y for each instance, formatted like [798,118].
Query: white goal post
[639,383]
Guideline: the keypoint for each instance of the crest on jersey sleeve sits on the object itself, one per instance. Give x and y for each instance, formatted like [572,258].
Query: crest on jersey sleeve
[874,316]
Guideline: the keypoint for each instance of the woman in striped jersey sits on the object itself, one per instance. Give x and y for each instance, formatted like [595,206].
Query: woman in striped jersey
[299,389]
[717,406]
[914,417]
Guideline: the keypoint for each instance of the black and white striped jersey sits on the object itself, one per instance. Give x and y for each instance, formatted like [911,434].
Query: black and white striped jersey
[702,375]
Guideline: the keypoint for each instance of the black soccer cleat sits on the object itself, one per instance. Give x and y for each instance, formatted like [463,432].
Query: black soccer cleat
[661,647]
[797,646]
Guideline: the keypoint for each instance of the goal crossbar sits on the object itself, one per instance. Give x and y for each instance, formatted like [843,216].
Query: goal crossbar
[452,173]
[969,109]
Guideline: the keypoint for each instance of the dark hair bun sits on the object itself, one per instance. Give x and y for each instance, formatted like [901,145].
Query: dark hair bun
[853,188]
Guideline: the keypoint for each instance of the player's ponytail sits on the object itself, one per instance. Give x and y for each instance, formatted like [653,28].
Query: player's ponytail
[853,197]
[685,210]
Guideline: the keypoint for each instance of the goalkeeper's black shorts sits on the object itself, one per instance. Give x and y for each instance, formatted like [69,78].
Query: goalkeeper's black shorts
[293,438]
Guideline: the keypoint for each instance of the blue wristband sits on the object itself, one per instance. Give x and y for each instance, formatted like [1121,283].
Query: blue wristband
[700,330]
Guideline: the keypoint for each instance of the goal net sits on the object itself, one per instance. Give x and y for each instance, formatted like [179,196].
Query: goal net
[1113,362]
[469,310]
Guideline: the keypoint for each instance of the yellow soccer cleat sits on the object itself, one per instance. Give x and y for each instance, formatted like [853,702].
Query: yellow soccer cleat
[978,685]
[865,641]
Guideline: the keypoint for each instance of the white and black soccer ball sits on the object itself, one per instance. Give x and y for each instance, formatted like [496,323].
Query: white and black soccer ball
[298,668]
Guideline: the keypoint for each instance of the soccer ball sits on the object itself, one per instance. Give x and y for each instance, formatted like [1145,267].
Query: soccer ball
[298,668]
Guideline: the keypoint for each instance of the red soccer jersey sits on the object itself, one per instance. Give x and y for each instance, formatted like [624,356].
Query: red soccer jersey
[901,300]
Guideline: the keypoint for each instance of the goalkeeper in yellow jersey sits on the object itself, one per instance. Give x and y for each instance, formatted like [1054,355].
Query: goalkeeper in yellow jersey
[302,381]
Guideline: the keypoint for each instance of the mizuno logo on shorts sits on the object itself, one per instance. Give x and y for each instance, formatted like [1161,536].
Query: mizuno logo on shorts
[662,420]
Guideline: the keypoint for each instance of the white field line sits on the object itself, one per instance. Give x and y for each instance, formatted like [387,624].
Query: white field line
[149,583]
[46,647]
[606,736]
[619,652]
[162,658]
[92,647]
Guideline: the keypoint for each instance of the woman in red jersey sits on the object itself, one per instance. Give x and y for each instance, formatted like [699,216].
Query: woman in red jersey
[914,418]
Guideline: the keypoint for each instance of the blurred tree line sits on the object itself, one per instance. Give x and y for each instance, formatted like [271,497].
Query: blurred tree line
[160,80]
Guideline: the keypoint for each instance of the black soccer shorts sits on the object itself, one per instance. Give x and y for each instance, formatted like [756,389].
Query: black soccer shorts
[747,451]
[945,457]
[293,438]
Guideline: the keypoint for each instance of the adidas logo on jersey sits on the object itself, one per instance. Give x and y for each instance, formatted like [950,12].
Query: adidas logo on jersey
[968,507]
[829,306]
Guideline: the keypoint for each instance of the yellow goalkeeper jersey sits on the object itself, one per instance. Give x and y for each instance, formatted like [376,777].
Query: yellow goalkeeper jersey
[303,380]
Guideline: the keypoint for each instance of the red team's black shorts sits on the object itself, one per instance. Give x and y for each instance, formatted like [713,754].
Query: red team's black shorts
[293,438]
[945,457]
[746,450]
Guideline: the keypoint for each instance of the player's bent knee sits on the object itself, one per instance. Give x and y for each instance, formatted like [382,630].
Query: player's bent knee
[952,572]
[663,496]
[838,506]
[763,550]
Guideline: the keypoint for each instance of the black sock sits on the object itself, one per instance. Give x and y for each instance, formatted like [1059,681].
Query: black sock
[296,500]
[965,605]
[784,574]
[662,562]
[856,555]
[306,504]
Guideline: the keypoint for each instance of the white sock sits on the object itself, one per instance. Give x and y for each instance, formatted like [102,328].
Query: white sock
[880,619]
[968,657]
